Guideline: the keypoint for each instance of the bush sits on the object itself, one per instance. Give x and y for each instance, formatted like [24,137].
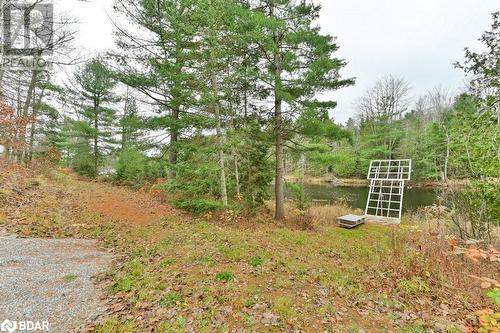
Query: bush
[476,210]
[131,167]
[83,162]
[198,206]
[299,195]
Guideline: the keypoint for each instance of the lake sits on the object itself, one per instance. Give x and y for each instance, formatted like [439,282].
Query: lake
[356,196]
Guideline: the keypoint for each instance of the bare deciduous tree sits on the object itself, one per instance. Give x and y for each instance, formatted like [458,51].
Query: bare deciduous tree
[386,101]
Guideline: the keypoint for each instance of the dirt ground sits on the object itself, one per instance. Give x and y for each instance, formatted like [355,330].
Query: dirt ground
[222,273]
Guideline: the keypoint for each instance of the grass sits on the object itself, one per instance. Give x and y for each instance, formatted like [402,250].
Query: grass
[172,299]
[415,328]
[135,268]
[415,285]
[207,260]
[165,263]
[123,284]
[224,276]
[256,261]
[70,278]
[217,277]
[5,193]
[115,326]
[284,307]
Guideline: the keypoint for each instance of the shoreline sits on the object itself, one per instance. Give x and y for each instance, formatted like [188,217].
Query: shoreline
[357,182]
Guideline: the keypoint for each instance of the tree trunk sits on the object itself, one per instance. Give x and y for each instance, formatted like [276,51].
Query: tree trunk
[96,138]
[447,157]
[220,143]
[279,182]
[25,113]
[236,173]
[279,185]
[124,129]
[33,123]
[174,137]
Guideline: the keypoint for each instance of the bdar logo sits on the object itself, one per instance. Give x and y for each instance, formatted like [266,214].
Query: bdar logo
[8,326]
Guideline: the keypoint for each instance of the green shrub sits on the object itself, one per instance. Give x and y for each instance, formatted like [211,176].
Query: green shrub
[198,206]
[284,307]
[131,167]
[114,326]
[83,163]
[414,328]
[70,278]
[136,268]
[301,199]
[476,210]
[5,193]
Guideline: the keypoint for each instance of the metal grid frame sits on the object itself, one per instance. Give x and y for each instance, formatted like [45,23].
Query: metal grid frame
[387,182]
[390,169]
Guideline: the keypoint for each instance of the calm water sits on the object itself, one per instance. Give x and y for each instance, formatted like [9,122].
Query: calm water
[356,196]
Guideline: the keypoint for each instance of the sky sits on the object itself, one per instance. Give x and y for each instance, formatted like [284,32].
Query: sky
[415,39]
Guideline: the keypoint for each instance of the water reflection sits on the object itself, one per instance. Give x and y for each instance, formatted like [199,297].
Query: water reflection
[356,196]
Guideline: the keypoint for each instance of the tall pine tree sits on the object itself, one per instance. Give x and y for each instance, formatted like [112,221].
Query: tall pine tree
[297,64]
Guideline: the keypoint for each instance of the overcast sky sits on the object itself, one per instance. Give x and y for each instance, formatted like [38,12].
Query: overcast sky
[416,39]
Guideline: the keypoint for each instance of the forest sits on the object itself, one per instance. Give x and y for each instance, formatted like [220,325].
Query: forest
[225,103]
[214,106]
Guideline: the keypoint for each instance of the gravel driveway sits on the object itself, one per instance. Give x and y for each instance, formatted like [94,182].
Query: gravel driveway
[50,279]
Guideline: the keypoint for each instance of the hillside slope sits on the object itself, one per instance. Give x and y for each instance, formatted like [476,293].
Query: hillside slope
[181,273]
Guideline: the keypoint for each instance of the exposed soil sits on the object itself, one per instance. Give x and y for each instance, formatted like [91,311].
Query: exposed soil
[122,205]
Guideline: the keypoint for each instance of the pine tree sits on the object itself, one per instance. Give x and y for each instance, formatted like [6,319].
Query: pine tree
[156,59]
[220,26]
[96,116]
[130,123]
[298,63]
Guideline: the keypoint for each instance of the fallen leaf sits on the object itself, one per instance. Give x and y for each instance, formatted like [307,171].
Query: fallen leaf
[453,243]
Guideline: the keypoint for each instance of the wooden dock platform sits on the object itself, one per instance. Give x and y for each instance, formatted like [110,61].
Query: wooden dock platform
[350,221]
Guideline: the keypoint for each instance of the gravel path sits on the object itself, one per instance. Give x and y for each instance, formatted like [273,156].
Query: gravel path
[50,279]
